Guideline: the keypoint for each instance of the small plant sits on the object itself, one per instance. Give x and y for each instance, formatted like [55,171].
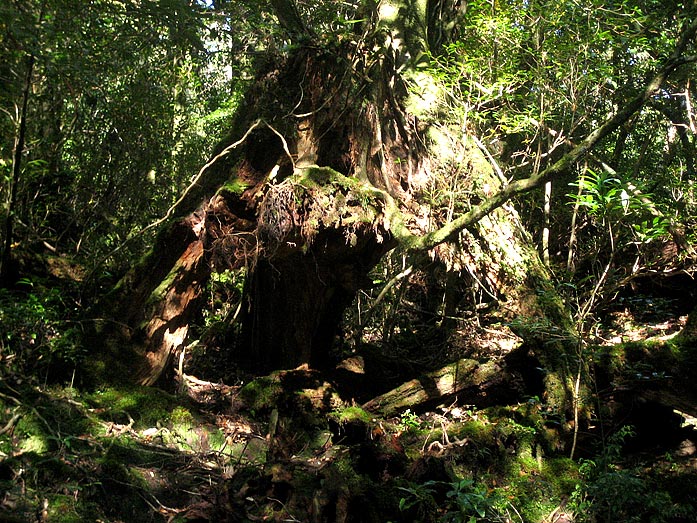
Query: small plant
[468,502]
[408,421]
[224,303]
[35,334]
[465,501]
[600,194]
[611,492]
[417,495]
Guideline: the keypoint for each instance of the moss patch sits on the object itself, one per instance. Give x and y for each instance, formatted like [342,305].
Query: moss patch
[351,414]
[61,508]
[262,394]
[146,406]
[233,187]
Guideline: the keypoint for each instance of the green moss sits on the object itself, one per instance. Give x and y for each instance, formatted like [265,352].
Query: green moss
[111,466]
[479,432]
[66,509]
[29,425]
[521,436]
[218,441]
[313,176]
[611,358]
[535,490]
[351,414]
[145,405]
[234,186]
[562,473]
[110,366]
[556,391]
[5,445]
[343,474]
[182,416]
[184,431]
[126,450]
[32,434]
[34,443]
[261,394]
[162,289]
[648,358]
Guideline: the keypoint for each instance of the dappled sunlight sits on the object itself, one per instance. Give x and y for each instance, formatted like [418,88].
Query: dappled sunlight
[406,260]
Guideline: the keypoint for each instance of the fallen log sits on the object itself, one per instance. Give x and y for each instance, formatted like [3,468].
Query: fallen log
[468,377]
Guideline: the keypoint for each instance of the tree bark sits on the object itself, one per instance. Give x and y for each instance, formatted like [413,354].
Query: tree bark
[170,310]
[296,303]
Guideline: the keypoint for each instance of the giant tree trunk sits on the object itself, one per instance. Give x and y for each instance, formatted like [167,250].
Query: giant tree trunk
[308,235]
[297,303]
[319,179]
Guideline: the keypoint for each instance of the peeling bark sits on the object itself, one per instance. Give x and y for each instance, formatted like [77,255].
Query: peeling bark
[170,310]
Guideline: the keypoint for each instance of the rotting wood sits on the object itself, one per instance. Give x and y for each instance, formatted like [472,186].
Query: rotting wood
[445,382]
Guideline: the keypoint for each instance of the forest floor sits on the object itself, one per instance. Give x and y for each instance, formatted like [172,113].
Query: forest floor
[300,445]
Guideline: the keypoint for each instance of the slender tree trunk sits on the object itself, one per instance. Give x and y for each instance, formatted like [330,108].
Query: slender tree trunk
[571,256]
[547,219]
[8,273]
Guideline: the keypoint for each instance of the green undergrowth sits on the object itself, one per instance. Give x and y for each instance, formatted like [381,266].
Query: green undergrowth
[141,406]
[110,455]
[616,486]
[501,465]
[663,354]
[141,454]
[498,465]
[351,414]
[666,365]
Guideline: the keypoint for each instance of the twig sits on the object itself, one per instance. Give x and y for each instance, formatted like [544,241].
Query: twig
[201,172]
[577,387]
[10,423]
[48,425]
[406,272]
[196,381]
[11,398]
[283,140]
[180,372]
[292,518]
[491,159]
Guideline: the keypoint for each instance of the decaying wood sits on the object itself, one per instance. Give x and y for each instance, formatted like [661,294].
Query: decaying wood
[465,375]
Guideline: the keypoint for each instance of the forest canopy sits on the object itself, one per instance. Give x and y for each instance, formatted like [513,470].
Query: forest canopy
[478,215]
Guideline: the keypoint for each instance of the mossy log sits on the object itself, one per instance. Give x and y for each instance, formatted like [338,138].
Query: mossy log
[473,380]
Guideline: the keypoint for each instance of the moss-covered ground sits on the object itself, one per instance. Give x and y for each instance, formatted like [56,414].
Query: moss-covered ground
[296,445]
[285,447]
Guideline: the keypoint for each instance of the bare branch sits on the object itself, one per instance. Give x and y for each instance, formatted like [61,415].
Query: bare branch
[176,204]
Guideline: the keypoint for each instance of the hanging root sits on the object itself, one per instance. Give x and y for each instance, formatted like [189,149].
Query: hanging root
[279,213]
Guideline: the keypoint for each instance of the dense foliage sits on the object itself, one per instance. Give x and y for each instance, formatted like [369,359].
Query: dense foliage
[124,102]
[110,108]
